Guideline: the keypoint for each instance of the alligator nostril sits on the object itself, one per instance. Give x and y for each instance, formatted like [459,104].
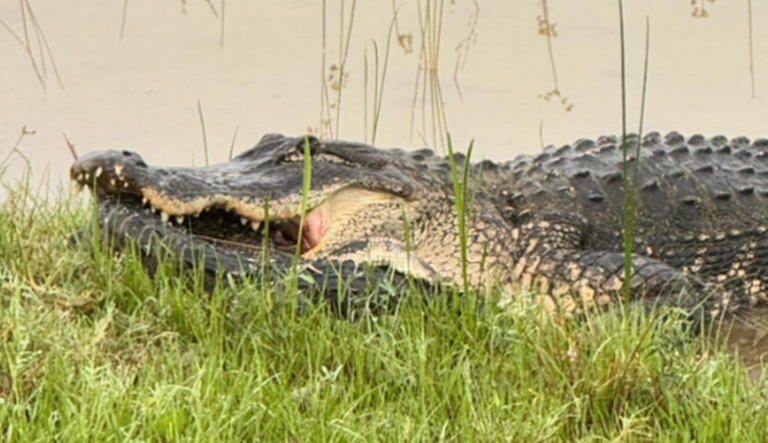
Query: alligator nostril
[127,153]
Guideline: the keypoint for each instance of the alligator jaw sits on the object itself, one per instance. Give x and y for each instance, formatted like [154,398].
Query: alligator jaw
[229,228]
[123,179]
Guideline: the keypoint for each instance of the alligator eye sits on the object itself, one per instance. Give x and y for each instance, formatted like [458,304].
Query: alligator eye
[292,157]
[297,155]
[327,157]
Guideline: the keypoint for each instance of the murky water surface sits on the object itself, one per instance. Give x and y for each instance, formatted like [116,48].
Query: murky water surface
[515,87]
[748,336]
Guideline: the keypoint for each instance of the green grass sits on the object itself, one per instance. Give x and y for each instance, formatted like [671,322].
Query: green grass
[460,188]
[92,349]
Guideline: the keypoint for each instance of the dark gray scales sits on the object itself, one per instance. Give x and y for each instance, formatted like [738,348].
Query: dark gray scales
[702,206]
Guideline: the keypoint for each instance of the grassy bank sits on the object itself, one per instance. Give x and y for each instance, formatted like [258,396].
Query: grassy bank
[91,349]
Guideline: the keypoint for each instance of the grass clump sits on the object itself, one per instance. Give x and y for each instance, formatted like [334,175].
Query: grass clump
[92,348]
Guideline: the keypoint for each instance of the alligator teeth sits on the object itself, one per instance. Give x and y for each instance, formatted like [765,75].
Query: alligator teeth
[112,181]
[125,185]
[255,225]
[164,216]
[144,201]
[196,215]
[87,176]
[98,172]
[179,219]
[80,177]
[243,221]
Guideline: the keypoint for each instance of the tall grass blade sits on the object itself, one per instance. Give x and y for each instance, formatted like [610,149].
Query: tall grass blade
[305,188]
[643,98]
[232,145]
[751,48]
[325,112]
[629,172]
[122,21]
[380,93]
[460,193]
[202,126]
[265,257]
[70,145]
[13,34]
[343,54]
[627,238]
[365,94]
[430,27]
[221,37]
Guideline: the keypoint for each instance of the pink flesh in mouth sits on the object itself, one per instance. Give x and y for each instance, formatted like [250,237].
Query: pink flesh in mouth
[316,223]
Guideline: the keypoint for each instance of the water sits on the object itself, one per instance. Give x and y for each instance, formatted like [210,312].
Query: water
[748,336]
[141,92]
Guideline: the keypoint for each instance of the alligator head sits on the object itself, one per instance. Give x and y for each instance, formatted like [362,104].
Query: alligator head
[362,202]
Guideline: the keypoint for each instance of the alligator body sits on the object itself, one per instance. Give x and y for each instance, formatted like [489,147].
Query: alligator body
[549,222]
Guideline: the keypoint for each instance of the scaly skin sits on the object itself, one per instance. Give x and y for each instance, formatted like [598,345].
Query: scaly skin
[702,212]
[550,222]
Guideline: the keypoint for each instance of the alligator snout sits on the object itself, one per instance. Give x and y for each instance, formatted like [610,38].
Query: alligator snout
[106,170]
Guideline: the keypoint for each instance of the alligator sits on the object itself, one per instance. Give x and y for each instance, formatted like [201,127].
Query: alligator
[550,223]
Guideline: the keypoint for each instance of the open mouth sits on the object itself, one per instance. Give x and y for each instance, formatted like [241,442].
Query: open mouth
[235,219]
[229,229]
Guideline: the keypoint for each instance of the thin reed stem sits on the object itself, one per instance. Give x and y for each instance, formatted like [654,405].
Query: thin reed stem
[545,11]
[223,10]
[643,96]
[122,21]
[343,57]
[628,241]
[202,126]
[380,93]
[751,49]
[232,145]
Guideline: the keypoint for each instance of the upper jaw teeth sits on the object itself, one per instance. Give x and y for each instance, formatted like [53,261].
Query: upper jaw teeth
[116,180]
[79,182]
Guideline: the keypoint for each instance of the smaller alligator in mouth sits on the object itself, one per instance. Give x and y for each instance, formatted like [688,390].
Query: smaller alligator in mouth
[549,222]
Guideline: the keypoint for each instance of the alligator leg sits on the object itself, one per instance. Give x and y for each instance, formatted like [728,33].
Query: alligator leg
[576,280]
[552,262]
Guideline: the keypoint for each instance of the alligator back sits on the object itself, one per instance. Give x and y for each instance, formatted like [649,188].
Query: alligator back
[702,203]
